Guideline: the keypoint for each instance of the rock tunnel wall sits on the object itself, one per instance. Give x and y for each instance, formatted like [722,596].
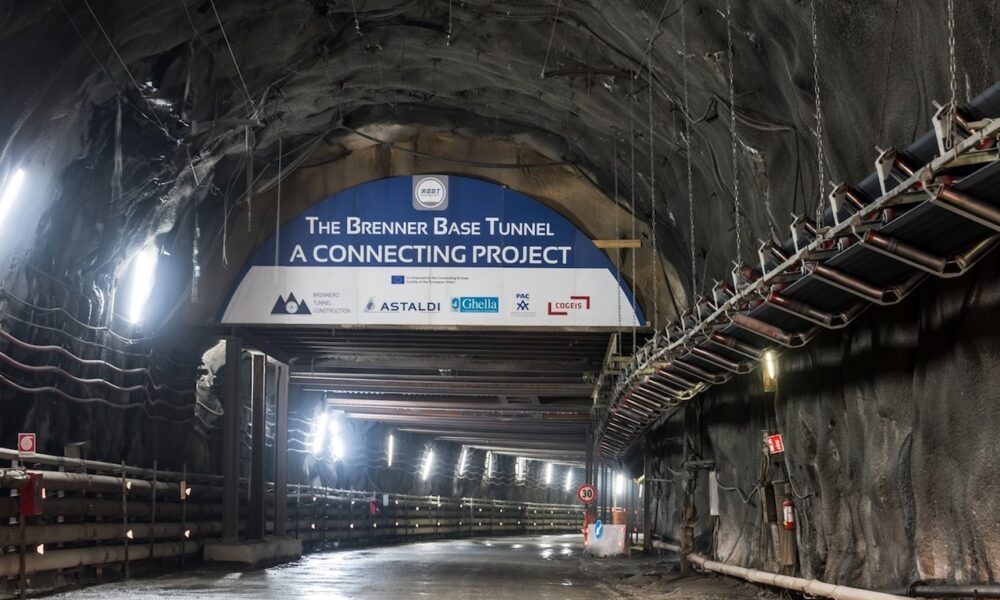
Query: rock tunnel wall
[889,429]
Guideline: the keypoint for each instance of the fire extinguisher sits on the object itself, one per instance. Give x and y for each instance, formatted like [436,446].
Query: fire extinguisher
[788,510]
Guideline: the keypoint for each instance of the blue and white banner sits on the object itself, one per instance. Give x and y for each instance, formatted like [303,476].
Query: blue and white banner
[431,250]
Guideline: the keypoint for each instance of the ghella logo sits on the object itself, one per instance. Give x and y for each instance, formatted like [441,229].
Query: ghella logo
[290,306]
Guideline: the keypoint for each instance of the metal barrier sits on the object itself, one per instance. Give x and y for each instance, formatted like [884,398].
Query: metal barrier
[82,521]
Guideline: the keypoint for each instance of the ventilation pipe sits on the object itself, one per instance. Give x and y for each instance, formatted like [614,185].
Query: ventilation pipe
[811,587]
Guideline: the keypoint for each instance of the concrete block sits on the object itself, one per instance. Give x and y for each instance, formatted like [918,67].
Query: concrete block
[260,553]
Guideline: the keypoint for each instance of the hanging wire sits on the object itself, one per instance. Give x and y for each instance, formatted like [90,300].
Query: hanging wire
[732,119]
[232,55]
[687,130]
[552,36]
[277,217]
[152,112]
[196,236]
[631,133]
[819,118]
[117,162]
[249,181]
[652,201]
[618,250]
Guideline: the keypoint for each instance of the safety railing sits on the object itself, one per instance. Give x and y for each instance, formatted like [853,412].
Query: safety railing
[74,522]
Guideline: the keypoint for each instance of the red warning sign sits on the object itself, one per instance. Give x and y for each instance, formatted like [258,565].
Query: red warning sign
[775,445]
[26,444]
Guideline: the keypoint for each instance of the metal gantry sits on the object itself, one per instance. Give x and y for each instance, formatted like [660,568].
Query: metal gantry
[880,240]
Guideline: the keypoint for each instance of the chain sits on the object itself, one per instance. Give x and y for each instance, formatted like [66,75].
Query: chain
[687,130]
[631,133]
[952,81]
[732,118]
[819,118]
[448,43]
[652,201]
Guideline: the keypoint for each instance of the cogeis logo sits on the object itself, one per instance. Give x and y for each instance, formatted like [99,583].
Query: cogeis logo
[475,304]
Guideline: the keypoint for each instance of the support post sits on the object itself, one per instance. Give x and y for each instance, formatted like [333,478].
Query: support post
[257,512]
[231,443]
[281,453]
[647,487]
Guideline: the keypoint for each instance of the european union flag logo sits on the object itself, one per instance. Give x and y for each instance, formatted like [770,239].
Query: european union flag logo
[398,279]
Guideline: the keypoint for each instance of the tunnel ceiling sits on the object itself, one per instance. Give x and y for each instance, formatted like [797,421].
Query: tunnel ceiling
[190,74]
[136,119]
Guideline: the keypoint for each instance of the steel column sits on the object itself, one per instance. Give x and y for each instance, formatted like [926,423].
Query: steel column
[255,527]
[231,443]
[281,452]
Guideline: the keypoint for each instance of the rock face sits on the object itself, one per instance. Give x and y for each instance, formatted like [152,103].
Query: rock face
[888,429]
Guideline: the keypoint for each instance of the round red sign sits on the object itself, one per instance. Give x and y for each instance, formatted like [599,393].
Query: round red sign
[586,493]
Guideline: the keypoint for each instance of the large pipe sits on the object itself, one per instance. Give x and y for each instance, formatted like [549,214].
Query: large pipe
[805,586]
[974,209]
[94,465]
[963,590]
[98,555]
[79,532]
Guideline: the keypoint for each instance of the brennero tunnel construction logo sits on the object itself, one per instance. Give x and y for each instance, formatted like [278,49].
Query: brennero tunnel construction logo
[290,306]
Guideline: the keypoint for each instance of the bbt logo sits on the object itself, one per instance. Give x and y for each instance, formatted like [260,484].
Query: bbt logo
[290,306]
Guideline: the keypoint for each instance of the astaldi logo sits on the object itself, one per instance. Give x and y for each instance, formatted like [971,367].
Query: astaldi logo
[476,304]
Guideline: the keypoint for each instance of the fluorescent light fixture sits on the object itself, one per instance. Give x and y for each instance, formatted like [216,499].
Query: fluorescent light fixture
[489,465]
[569,479]
[548,473]
[770,365]
[391,443]
[336,440]
[428,464]
[142,277]
[319,433]
[519,468]
[461,461]
[9,195]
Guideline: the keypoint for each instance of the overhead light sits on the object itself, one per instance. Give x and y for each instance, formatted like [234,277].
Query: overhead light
[519,468]
[319,433]
[142,276]
[461,460]
[569,479]
[336,440]
[489,465]
[770,372]
[428,464]
[10,192]
[389,460]
[548,473]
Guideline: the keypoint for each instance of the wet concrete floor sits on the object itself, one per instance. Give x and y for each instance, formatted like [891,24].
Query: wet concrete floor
[522,568]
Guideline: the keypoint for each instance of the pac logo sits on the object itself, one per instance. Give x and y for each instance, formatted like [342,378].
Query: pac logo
[522,302]
[430,193]
[290,306]
[398,279]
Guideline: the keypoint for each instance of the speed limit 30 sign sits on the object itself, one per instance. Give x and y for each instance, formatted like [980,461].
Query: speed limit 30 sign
[586,493]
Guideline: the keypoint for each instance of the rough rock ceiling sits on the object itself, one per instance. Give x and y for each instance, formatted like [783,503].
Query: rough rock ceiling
[557,74]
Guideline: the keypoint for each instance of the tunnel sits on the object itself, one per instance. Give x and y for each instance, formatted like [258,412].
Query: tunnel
[555,299]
